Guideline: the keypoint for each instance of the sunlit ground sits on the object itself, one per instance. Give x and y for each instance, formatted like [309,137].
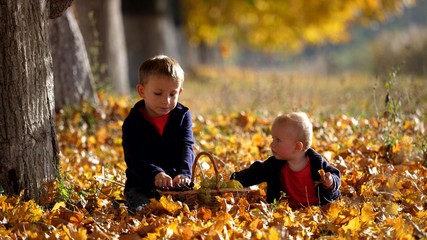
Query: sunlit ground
[228,90]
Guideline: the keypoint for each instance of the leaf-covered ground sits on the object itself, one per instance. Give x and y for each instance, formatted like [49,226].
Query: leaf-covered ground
[384,183]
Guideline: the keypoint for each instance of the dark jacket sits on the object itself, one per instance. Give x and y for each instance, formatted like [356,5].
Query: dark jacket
[270,171]
[147,152]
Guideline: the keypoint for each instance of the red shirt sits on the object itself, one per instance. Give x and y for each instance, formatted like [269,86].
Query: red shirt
[158,122]
[299,186]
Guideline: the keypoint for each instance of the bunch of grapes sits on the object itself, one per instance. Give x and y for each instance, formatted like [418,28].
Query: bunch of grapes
[206,186]
[204,194]
[209,183]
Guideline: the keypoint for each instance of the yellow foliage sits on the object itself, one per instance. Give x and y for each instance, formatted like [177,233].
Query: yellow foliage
[272,25]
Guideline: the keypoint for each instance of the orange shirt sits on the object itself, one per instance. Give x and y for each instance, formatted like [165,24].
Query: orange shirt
[299,186]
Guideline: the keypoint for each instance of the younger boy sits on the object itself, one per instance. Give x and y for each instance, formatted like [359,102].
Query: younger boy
[294,168]
[157,134]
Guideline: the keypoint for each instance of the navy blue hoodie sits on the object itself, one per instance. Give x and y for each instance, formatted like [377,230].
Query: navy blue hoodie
[147,152]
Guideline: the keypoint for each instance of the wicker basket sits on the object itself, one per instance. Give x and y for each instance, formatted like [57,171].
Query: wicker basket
[192,197]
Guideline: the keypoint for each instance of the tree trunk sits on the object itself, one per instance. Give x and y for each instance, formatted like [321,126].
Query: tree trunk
[101,24]
[71,69]
[28,145]
[150,30]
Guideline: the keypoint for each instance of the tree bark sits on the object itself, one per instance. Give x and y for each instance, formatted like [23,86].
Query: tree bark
[150,30]
[101,24]
[71,69]
[57,7]
[28,145]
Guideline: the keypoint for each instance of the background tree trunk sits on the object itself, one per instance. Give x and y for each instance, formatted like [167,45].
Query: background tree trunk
[150,30]
[28,145]
[101,24]
[71,68]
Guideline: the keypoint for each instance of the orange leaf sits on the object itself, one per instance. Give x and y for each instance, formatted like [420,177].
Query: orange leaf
[322,173]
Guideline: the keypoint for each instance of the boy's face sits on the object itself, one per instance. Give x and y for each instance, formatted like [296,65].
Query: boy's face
[284,144]
[160,93]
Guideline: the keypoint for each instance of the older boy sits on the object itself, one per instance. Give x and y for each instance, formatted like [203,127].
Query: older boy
[157,134]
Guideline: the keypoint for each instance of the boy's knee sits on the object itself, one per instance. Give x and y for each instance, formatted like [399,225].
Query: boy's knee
[135,201]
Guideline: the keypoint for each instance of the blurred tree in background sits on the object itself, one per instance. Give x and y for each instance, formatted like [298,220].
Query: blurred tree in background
[101,24]
[71,72]
[280,25]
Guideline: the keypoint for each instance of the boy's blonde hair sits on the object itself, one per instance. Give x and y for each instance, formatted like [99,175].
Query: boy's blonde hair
[301,125]
[161,65]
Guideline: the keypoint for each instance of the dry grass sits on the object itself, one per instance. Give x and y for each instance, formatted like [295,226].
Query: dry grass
[225,90]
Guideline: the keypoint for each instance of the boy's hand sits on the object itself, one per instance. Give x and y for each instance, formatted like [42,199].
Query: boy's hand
[181,180]
[162,180]
[327,180]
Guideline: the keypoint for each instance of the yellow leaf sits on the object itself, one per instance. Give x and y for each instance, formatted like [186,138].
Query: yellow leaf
[392,208]
[82,233]
[32,235]
[171,229]
[352,226]
[258,139]
[329,155]
[402,229]
[258,234]
[152,236]
[169,205]
[422,214]
[273,234]
[334,212]
[58,205]
[254,224]
[277,215]
[368,213]
[117,141]
[32,210]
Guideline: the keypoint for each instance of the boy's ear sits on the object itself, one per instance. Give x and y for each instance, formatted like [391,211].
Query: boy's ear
[299,146]
[140,90]
[180,90]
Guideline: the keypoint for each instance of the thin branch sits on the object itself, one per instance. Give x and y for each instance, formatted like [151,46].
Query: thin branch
[109,180]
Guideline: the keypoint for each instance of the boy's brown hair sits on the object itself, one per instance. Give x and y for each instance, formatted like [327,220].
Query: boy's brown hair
[162,65]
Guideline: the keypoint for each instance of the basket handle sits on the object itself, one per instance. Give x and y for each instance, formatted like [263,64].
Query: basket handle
[211,158]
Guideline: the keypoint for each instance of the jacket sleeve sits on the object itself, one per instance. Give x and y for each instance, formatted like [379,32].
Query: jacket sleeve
[336,176]
[317,161]
[258,172]
[187,146]
[330,194]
